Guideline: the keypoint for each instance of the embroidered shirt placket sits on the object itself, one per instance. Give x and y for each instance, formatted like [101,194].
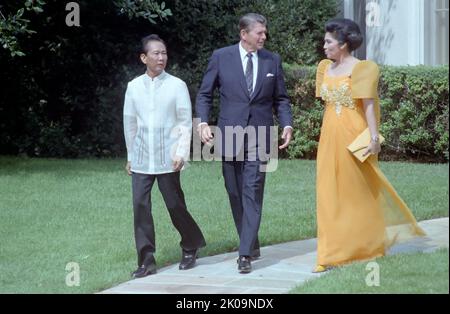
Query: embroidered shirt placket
[151,144]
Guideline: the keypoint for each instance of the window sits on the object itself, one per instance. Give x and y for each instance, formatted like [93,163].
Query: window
[437,32]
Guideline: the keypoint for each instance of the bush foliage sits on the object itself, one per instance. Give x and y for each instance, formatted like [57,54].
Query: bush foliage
[414,112]
[63,87]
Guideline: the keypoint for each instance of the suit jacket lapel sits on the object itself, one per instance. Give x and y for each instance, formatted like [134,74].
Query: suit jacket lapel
[236,63]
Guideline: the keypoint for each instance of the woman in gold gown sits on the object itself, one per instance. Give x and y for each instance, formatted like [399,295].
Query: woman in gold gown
[359,214]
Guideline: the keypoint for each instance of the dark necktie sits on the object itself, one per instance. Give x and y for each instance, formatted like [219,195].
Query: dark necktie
[249,74]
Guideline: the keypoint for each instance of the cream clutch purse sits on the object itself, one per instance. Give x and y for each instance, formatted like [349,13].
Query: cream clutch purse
[360,144]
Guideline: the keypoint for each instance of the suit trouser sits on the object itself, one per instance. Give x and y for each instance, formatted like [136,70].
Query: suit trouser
[244,183]
[144,230]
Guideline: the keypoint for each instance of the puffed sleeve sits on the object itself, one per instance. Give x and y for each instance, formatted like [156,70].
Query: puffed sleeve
[321,68]
[365,78]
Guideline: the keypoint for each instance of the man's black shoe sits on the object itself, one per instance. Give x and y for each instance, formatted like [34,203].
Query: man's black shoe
[244,264]
[144,270]
[188,259]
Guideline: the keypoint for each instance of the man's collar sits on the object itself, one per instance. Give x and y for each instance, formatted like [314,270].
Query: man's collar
[244,52]
[160,77]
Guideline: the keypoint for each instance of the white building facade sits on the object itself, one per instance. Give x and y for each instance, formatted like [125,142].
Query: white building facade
[401,32]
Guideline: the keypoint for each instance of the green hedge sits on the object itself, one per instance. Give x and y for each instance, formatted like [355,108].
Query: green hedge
[414,107]
[64,98]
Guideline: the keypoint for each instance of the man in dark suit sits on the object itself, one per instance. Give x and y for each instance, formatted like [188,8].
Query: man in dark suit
[251,87]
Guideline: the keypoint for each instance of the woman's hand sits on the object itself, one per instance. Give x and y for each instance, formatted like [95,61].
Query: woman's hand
[373,148]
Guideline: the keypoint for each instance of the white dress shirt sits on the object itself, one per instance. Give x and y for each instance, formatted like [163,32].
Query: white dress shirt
[244,59]
[157,121]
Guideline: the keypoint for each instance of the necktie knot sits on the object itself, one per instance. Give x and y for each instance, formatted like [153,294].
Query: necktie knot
[249,55]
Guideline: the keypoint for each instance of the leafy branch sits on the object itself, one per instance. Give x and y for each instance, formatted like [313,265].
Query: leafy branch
[14,25]
[147,9]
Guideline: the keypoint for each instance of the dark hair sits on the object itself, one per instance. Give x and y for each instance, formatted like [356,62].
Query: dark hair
[246,21]
[147,39]
[345,31]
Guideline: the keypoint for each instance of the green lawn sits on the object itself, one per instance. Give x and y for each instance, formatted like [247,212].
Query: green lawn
[402,273]
[53,212]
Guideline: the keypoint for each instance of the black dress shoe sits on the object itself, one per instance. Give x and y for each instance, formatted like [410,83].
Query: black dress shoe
[144,270]
[244,264]
[188,259]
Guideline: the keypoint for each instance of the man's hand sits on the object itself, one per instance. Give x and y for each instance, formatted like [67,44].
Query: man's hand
[128,168]
[178,163]
[286,136]
[204,132]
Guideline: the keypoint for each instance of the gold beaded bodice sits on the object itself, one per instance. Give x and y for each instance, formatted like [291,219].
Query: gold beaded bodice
[336,91]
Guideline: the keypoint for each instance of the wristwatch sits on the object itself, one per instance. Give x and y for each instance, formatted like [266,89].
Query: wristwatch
[375,138]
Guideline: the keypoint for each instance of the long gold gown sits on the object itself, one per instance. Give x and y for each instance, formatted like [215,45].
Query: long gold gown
[359,214]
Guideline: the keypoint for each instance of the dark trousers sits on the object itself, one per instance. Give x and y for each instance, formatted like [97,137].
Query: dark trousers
[144,230]
[244,183]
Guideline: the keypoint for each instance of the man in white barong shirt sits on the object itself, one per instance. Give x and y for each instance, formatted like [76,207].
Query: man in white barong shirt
[158,126]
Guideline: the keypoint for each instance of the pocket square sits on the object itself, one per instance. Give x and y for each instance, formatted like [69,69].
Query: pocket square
[269,75]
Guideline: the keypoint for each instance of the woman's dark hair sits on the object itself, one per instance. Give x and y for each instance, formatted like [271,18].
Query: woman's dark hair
[345,31]
[147,39]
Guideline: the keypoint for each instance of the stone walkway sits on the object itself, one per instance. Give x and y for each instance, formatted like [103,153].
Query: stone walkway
[280,268]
